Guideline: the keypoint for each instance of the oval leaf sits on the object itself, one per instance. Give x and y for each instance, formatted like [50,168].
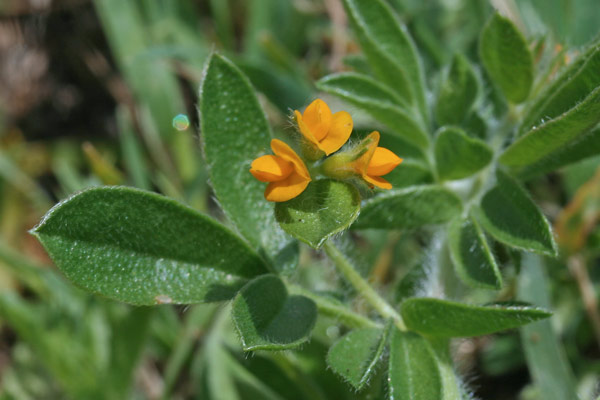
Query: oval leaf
[325,208]
[363,88]
[584,146]
[389,49]
[471,255]
[506,58]
[355,356]
[555,135]
[267,318]
[457,94]
[575,83]
[459,156]
[413,371]
[412,173]
[141,248]
[409,208]
[378,101]
[235,132]
[437,317]
[509,215]
[453,387]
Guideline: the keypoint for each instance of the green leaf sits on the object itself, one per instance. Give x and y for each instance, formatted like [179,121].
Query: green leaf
[361,88]
[389,49]
[325,208]
[475,126]
[375,98]
[412,283]
[358,63]
[458,156]
[547,362]
[413,370]
[141,248]
[267,318]
[453,387]
[506,58]
[235,132]
[132,150]
[356,355]
[395,143]
[554,135]
[584,146]
[281,88]
[457,93]
[471,254]
[410,173]
[509,215]
[574,83]
[127,345]
[445,318]
[409,208]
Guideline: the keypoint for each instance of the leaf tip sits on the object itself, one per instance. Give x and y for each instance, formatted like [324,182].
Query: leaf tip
[35,232]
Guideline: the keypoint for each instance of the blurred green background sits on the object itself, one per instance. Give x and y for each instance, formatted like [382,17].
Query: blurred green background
[88,95]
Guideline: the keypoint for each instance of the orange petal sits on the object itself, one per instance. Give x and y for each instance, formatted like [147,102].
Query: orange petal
[339,132]
[317,118]
[284,151]
[305,130]
[286,189]
[375,181]
[362,163]
[271,168]
[383,162]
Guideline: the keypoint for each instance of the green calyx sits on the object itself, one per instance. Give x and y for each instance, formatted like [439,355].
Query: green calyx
[311,152]
[339,166]
[343,165]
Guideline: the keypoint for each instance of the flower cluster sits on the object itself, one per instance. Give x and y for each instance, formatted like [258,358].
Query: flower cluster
[323,134]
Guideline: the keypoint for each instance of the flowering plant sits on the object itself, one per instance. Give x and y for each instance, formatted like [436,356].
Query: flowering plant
[467,151]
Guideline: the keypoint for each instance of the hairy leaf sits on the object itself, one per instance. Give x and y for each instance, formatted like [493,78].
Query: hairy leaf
[409,174]
[141,248]
[584,146]
[389,49]
[325,208]
[413,372]
[356,354]
[458,156]
[573,85]
[375,98]
[506,58]
[509,215]
[471,254]
[457,93]
[235,132]
[554,135]
[267,318]
[445,318]
[409,208]
[363,88]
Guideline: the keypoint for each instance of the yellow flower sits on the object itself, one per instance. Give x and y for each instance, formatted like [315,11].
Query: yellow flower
[375,162]
[322,129]
[285,171]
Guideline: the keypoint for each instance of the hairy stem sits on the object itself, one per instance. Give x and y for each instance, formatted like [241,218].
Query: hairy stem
[362,286]
[332,309]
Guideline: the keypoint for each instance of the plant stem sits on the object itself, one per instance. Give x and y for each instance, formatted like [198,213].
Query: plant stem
[334,310]
[362,286]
